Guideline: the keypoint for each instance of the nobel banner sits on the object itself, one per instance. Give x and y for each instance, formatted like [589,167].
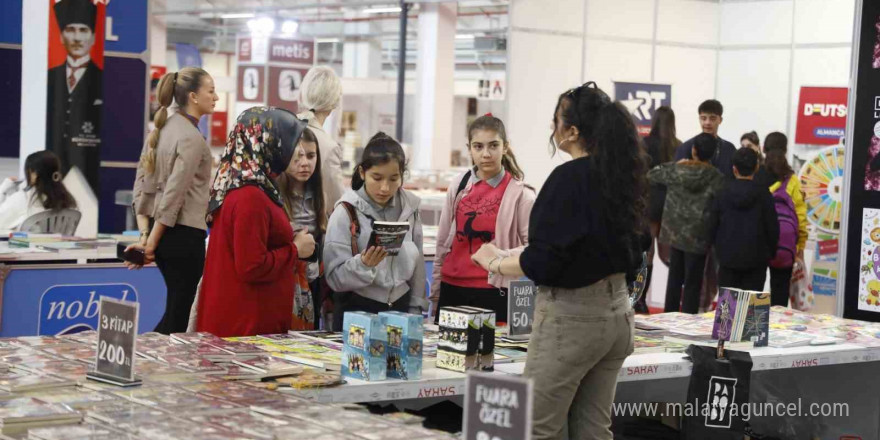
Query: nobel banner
[75,97]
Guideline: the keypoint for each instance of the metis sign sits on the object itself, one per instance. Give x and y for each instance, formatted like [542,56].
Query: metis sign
[821,117]
[291,51]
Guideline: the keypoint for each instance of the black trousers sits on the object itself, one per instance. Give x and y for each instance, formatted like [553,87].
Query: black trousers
[685,274]
[780,285]
[352,302]
[745,279]
[491,299]
[180,257]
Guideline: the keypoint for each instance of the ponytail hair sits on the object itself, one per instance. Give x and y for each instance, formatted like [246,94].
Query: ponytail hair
[775,149]
[381,149]
[173,87]
[47,184]
[491,123]
[618,163]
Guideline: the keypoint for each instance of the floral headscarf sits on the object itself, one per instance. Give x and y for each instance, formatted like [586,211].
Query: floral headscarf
[259,148]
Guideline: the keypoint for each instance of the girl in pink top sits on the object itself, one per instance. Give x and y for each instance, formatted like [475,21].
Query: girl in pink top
[487,204]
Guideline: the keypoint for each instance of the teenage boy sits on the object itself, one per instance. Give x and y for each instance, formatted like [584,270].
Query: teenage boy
[744,227]
[710,112]
[691,184]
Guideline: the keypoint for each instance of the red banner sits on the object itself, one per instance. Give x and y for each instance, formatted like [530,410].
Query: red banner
[821,115]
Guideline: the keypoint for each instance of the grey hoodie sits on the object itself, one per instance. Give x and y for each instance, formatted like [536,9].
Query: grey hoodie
[394,276]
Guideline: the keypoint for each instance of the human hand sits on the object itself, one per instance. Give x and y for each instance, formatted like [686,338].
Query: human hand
[485,255]
[373,256]
[144,248]
[305,243]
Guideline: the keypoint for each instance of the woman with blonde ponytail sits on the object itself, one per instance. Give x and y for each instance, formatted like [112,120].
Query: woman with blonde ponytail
[320,93]
[487,204]
[172,188]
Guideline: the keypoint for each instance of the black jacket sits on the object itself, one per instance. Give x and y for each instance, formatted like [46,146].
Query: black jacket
[73,125]
[744,225]
[723,159]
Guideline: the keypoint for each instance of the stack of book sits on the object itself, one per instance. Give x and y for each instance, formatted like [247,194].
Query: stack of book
[22,413]
[742,315]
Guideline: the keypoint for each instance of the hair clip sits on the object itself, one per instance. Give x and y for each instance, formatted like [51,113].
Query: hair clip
[489,115]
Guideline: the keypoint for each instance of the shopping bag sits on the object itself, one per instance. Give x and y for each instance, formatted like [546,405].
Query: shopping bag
[717,395]
[800,294]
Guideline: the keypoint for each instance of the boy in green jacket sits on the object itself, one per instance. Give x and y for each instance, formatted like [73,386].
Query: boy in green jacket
[691,186]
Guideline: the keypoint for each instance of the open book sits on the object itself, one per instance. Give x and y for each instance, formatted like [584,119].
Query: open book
[389,235]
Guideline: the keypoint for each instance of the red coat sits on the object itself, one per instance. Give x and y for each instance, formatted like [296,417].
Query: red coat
[248,285]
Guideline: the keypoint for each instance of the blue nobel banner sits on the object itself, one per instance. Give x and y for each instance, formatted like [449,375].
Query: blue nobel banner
[74,308]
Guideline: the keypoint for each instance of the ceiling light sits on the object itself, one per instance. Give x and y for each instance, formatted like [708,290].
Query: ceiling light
[464,36]
[382,10]
[241,15]
[327,40]
[262,25]
[289,27]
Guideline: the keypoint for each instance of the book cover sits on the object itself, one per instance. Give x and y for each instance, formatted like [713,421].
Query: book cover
[364,354]
[405,341]
[725,312]
[757,321]
[789,338]
[389,235]
[270,366]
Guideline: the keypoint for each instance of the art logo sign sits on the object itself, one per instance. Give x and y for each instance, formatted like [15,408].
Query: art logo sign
[73,308]
[642,100]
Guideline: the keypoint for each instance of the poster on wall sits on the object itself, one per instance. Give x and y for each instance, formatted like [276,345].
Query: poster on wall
[75,94]
[861,202]
[821,119]
[284,84]
[869,272]
[642,100]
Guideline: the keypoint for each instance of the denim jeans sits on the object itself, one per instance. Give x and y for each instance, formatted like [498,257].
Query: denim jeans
[579,341]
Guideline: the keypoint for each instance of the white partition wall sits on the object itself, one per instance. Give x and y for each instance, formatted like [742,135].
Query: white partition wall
[545,58]
[769,49]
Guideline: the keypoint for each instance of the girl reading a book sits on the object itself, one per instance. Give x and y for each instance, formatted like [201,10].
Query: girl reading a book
[489,203]
[586,236]
[249,278]
[363,276]
[301,189]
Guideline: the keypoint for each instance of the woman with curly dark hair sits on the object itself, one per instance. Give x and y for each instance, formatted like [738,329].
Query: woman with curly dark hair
[586,235]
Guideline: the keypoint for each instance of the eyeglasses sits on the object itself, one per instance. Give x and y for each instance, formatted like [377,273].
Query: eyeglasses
[589,84]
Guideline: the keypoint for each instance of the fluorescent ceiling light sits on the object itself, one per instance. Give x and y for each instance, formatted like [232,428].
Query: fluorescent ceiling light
[262,25]
[327,40]
[381,10]
[289,27]
[464,36]
[241,15]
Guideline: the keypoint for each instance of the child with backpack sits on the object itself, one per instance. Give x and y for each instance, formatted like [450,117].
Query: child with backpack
[364,277]
[690,188]
[489,203]
[743,227]
[792,213]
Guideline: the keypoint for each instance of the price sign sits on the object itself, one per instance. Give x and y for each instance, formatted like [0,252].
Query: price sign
[521,307]
[497,407]
[117,334]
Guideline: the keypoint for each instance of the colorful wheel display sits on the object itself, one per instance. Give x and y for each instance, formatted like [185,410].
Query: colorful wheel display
[822,183]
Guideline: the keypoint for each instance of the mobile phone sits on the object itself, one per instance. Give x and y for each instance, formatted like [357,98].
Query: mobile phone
[134,256]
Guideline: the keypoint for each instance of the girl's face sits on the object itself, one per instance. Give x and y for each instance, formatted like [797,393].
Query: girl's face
[206,98]
[304,161]
[565,137]
[487,149]
[748,144]
[382,181]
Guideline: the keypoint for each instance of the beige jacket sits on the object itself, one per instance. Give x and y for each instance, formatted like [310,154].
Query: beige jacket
[179,189]
[331,162]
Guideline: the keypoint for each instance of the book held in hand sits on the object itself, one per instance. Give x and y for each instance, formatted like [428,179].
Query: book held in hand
[389,235]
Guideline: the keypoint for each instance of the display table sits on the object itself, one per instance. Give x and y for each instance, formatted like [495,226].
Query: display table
[842,373]
[47,293]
